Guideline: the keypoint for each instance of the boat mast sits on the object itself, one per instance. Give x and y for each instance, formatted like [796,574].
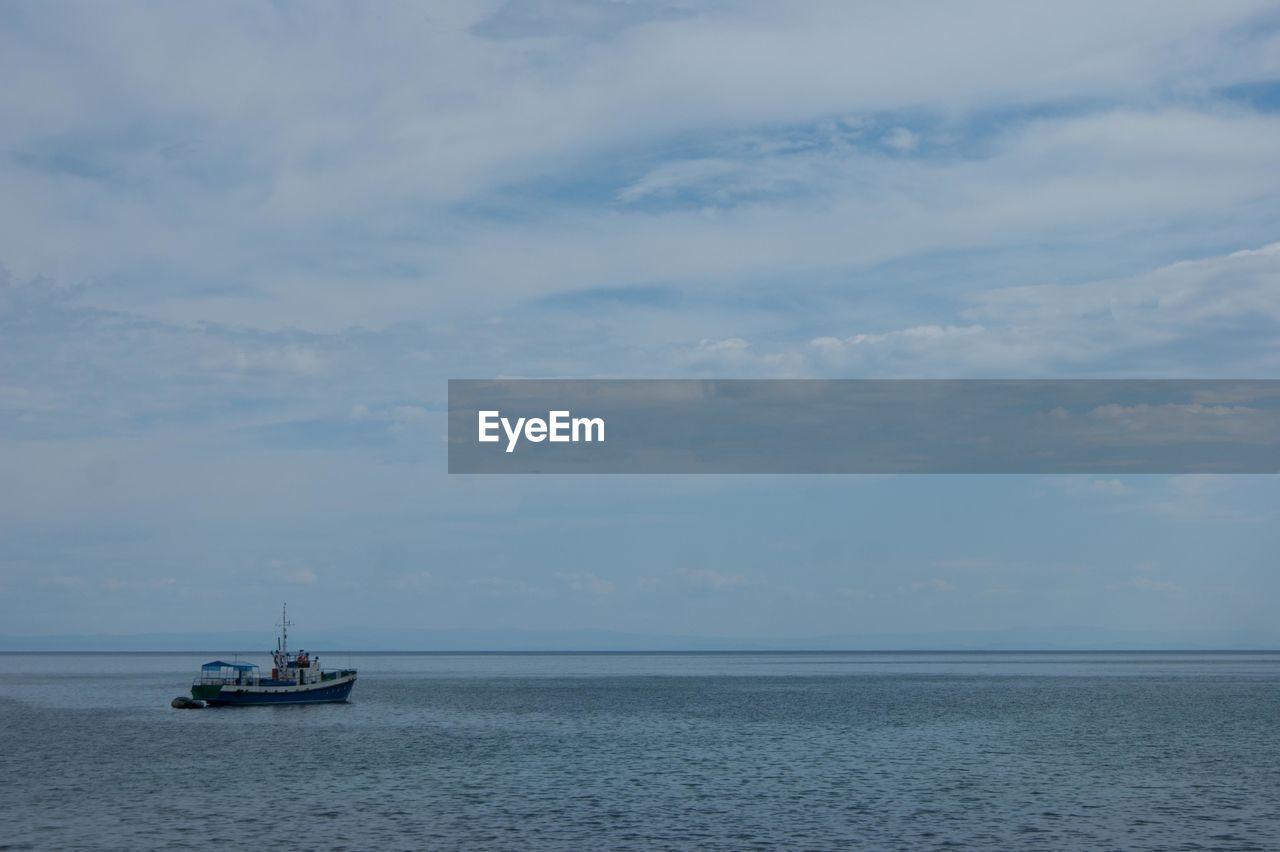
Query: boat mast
[284,628]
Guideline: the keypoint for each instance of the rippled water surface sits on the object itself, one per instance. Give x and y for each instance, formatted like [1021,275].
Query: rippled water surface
[740,751]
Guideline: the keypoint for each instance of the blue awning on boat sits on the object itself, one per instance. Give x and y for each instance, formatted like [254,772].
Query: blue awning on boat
[219,664]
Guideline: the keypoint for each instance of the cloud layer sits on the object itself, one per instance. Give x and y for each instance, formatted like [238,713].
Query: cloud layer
[242,246]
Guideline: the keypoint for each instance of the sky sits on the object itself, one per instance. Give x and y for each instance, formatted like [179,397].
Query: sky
[243,246]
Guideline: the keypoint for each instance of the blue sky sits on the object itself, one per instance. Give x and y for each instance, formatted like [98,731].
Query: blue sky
[242,247]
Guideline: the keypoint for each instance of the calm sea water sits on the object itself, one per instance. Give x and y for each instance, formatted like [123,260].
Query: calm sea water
[1013,751]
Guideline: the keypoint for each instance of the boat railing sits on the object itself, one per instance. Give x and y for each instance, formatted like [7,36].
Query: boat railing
[211,679]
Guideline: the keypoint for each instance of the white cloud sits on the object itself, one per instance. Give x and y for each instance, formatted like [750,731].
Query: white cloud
[1147,584]
[1184,498]
[65,581]
[732,344]
[585,581]
[1203,497]
[711,578]
[505,587]
[328,198]
[677,175]
[1156,321]
[414,581]
[283,359]
[287,572]
[934,584]
[734,355]
[902,139]
[1244,284]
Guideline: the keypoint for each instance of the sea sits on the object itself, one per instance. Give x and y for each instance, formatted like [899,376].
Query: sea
[731,751]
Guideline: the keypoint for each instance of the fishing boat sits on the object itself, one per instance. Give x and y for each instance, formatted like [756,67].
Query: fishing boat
[295,679]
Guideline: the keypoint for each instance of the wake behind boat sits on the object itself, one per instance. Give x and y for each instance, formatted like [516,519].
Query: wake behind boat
[295,679]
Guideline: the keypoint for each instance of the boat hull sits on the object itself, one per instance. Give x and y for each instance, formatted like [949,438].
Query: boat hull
[325,692]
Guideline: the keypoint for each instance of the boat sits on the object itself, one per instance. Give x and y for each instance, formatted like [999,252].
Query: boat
[295,679]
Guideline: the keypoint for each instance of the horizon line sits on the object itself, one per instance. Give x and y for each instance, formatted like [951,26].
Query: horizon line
[668,651]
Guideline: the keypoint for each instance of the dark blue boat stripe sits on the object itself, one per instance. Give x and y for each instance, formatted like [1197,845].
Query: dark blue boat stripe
[324,695]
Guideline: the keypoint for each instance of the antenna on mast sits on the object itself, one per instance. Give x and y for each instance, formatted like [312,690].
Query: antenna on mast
[284,627]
